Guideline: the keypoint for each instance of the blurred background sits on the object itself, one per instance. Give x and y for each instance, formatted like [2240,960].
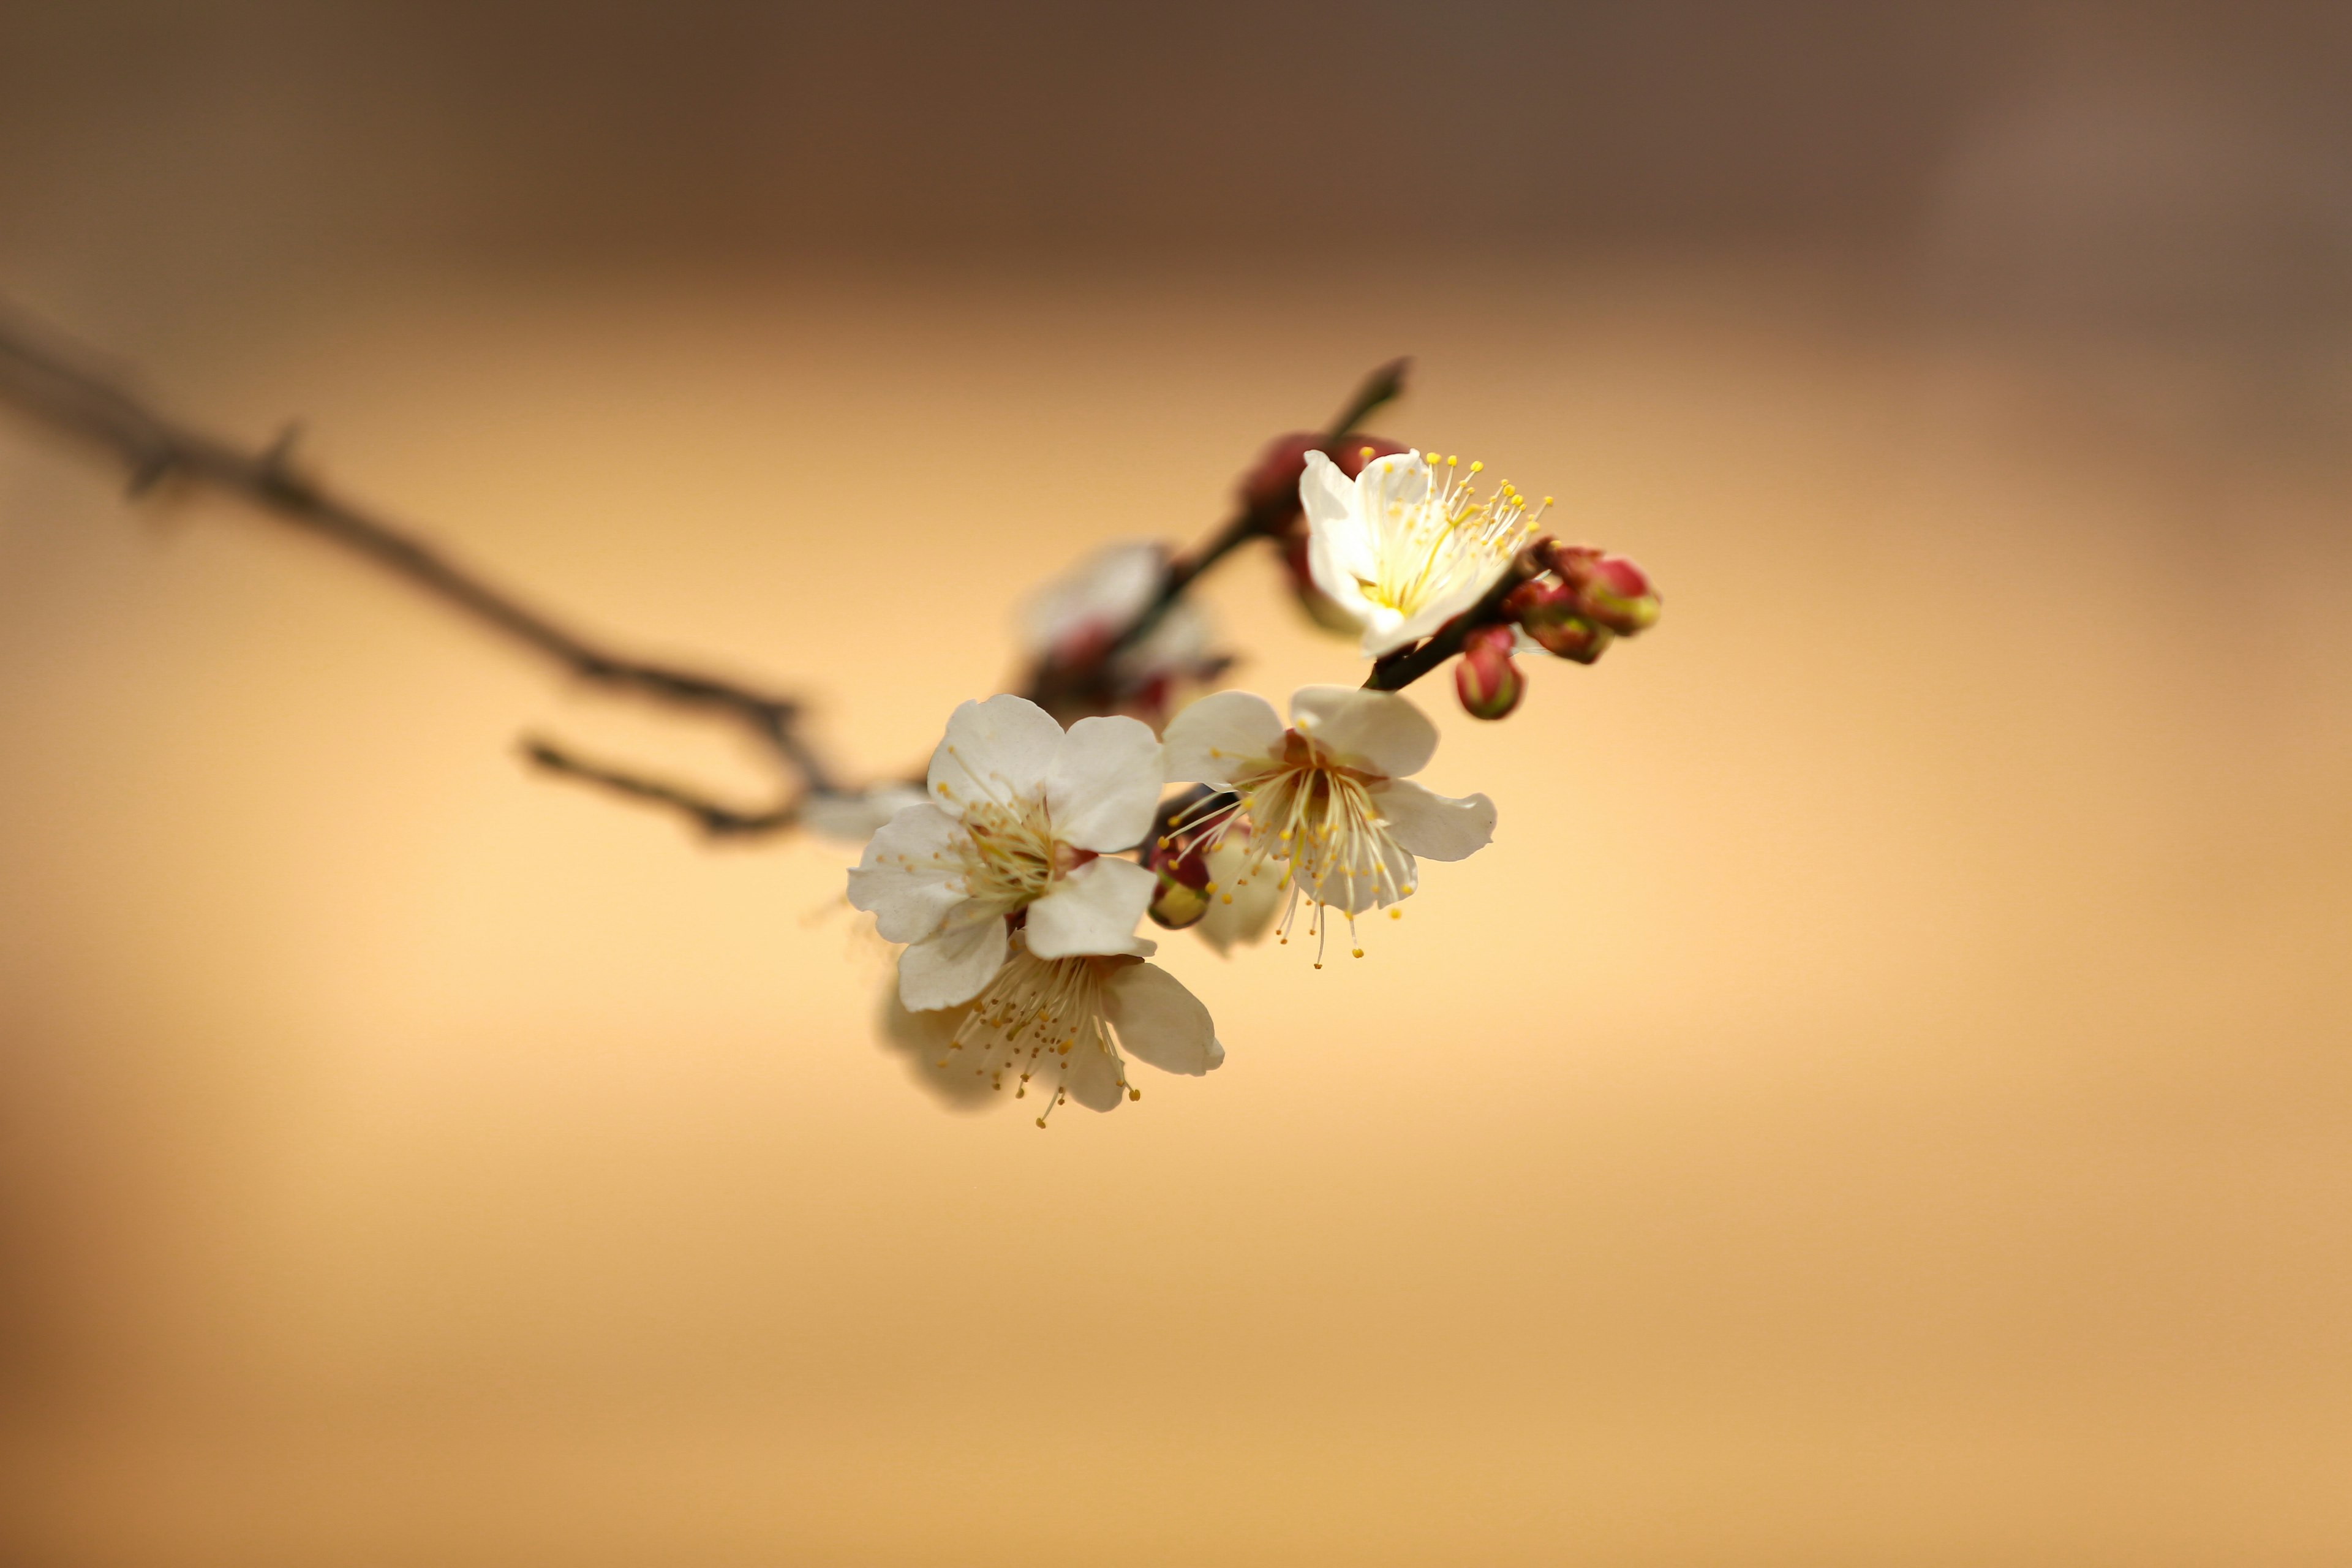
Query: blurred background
[1884,1097]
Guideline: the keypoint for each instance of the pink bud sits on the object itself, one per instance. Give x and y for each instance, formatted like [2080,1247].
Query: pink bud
[1485,677]
[1553,614]
[1610,590]
[1180,861]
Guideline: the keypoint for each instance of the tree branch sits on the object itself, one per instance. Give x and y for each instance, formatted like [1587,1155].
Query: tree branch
[718,821]
[60,386]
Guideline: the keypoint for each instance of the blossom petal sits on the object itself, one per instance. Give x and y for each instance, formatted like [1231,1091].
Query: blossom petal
[1093,910]
[1222,736]
[955,965]
[997,749]
[1432,826]
[1091,1076]
[910,876]
[1425,621]
[1387,876]
[1378,731]
[1159,1022]
[1389,486]
[1342,553]
[1104,783]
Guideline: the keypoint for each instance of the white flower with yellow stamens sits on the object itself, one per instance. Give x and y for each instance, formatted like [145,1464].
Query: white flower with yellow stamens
[1328,796]
[1407,545]
[1058,1027]
[1022,817]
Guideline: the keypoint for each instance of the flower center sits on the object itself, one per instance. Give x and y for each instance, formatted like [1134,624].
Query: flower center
[1317,815]
[1010,853]
[1431,547]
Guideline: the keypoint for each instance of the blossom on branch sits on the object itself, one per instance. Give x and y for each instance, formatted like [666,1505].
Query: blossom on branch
[1067,1020]
[1328,796]
[1407,545]
[1023,819]
[1070,629]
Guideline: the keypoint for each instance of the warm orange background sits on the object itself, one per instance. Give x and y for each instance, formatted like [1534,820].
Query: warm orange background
[1883,1098]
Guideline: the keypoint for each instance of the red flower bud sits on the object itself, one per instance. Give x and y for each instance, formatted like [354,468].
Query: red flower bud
[1610,590]
[1485,677]
[1553,614]
[1180,861]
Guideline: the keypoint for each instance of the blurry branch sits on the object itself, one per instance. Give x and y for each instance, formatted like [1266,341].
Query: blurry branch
[718,821]
[61,387]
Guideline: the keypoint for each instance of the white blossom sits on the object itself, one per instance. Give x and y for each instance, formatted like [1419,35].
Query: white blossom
[1328,797]
[1064,1028]
[1022,817]
[1075,616]
[1407,545]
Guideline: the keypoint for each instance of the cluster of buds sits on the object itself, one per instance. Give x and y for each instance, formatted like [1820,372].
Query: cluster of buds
[1583,600]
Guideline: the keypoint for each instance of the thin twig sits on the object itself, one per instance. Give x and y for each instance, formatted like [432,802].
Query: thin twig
[718,821]
[62,387]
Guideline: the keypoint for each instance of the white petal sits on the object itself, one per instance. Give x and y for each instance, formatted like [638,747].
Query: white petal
[1341,552]
[1388,486]
[911,875]
[957,964]
[1432,826]
[1092,910]
[1092,1075]
[1159,1022]
[1386,877]
[1378,731]
[1327,494]
[996,750]
[1221,736]
[1104,785]
[1426,620]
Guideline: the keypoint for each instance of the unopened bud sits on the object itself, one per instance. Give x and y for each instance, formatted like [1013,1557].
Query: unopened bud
[1553,614]
[1180,859]
[1610,590]
[1485,677]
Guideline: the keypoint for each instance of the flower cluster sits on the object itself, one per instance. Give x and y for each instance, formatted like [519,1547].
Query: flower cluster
[1045,832]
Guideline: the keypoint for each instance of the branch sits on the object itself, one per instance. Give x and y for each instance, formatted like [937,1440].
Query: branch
[59,386]
[718,821]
